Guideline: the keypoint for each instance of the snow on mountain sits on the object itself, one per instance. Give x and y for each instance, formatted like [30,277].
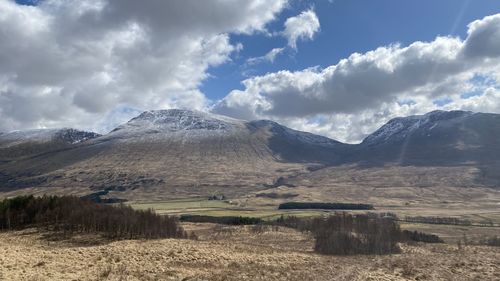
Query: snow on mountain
[67,135]
[157,124]
[399,128]
[186,124]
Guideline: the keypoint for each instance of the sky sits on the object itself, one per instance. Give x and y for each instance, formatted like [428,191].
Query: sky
[339,68]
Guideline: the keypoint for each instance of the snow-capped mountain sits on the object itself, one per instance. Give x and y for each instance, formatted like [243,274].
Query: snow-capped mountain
[183,148]
[66,135]
[186,124]
[174,151]
[438,137]
[195,127]
[399,128]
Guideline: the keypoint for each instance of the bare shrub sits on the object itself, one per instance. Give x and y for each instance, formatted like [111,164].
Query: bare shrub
[259,228]
[346,234]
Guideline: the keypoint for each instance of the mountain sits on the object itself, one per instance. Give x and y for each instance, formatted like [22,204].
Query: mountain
[176,153]
[179,151]
[18,144]
[436,138]
[65,135]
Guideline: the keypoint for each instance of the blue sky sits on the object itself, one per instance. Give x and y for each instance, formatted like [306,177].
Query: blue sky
[349,26]
[339,68]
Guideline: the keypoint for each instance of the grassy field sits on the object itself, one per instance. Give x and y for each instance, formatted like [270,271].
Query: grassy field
[267,209]
[182,206]
[202,206]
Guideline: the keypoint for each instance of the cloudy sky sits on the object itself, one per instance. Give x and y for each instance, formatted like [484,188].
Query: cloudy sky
[339,68]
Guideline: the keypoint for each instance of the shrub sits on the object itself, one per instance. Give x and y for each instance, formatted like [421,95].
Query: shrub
[71,214]
[346,234]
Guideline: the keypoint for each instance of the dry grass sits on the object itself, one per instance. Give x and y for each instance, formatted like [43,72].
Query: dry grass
[236,253]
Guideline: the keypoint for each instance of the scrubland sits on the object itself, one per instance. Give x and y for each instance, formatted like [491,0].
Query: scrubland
[231,253]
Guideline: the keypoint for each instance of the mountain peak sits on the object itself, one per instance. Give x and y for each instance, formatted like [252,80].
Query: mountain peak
[175,121]
[175,115]
[400,127]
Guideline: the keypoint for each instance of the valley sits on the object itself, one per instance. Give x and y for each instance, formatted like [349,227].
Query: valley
[249,140]
[439,166]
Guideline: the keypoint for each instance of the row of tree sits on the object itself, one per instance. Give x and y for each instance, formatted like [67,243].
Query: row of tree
[71,214]
[421,237]
[328,206]
[229,220]
[438,220]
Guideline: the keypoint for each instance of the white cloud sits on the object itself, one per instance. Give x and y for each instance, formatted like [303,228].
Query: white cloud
[70,62]
[269,57]
[352,98]
[302,27]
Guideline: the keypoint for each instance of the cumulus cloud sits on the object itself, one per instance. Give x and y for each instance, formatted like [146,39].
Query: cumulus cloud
[69,63]
[302,27]
[350,99]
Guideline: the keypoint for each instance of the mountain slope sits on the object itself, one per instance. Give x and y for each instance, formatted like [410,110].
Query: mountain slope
[27,143]
[180,151]
[65,135]
[436,138]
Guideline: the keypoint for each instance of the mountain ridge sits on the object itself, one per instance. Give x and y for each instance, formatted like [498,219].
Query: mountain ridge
[180,150]
[192,120]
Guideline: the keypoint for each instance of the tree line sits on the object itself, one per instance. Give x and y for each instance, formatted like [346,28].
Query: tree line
[438,220]
[229,220]
[71,214]
[418,236]
[328,206]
